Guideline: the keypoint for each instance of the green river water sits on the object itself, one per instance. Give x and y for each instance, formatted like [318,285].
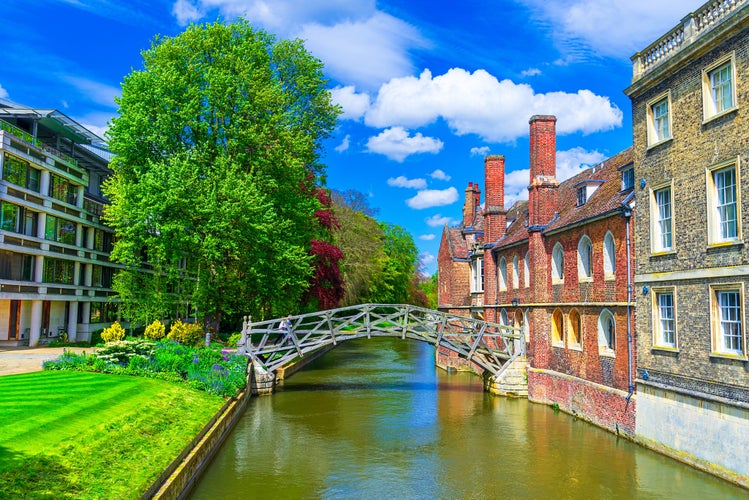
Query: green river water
[376,419]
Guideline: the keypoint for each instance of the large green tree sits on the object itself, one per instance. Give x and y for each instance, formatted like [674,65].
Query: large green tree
[217,156]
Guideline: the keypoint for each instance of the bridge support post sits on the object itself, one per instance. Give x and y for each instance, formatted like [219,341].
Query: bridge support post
[512,381]
[262,382]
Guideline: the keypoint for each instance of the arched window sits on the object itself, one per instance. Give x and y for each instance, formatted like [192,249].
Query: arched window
[557,263]
[573,328]
[527,327]
[557,328]
[585,258]
[527,270]
[609,255]
[502,274]
[515,273]
[503,317]
[606,332]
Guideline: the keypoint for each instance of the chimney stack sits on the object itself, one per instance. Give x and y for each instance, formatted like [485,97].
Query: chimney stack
[495,215]
[543,189]
[473,200]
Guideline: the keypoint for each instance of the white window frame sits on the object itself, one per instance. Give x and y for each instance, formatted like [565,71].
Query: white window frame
[502,271]
[664,319]
[726,316]
[527,269]
[657,123]
[515,273]
[557,328]
[582,195]
[606,338]
[477,275]
[557,264]
[658,218]
[628,178]
[716,206]
[503,317]
[711,103]
[609,256]
[585,259]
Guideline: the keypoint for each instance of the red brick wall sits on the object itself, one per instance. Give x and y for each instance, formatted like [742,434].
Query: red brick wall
[473,199]
[542,192]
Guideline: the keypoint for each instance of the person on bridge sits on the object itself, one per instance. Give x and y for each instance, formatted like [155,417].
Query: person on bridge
[285,327]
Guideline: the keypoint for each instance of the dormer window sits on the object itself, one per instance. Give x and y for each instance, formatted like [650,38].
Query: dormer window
[582,196]
[628,178]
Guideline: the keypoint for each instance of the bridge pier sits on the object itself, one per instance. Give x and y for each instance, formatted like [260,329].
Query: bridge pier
[262,383]
[513,381]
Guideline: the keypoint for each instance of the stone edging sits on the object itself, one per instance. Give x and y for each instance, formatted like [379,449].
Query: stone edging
[180,476]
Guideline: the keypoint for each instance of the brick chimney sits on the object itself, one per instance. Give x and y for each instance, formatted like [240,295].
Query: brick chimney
[473,200]
[495,215]
[543,189]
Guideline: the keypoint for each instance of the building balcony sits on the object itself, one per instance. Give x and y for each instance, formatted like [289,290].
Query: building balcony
[691,29]
[37,151]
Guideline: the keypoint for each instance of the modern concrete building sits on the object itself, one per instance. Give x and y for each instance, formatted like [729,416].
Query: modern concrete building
[55,274]
[690,113]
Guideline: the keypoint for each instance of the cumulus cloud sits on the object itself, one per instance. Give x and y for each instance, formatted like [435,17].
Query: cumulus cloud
[186,12]
[427,259]
[3,93]
[617,28]
[569,163]
[433,198]
[427,237]
[354,104]
[530,72]
[404,182]
[438,220]
[440,175]
[344,145]
[478,103]
[480,151]
[396,144]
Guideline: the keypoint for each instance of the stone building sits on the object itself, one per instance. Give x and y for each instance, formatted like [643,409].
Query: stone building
[690,109]
[558,266]
[55,274]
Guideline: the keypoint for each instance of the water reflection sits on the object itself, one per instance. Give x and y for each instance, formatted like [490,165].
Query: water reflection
[375,419]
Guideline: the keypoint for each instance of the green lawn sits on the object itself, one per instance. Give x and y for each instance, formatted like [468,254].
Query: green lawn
[69,434]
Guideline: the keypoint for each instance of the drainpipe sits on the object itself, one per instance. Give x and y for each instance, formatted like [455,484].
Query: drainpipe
[627,213]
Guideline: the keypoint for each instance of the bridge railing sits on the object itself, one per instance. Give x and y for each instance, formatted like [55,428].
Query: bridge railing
[274,343]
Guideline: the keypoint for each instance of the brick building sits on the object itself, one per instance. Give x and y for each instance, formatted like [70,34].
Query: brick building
[558,265]
[690,108]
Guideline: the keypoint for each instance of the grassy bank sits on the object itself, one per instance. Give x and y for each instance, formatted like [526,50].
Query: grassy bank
[69,434]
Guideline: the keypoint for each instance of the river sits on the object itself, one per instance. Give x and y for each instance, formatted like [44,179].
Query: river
[376,419]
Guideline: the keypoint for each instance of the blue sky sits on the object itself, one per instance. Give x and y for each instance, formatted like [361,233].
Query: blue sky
[427,87]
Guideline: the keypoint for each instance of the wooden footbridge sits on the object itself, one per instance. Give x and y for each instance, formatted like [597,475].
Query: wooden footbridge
[274,343]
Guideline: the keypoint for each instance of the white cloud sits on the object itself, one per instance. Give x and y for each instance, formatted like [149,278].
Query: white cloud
[354,104]
[186,12]
[438,220]
[427,259]
[617,28]
[440,175]
[396,144]
[3,93]
[427,237]
[480,151]
[404,182]
[344,145]
[569,163]
[366,52]
[97,92]
[478,103]
[433,198]
[530,72]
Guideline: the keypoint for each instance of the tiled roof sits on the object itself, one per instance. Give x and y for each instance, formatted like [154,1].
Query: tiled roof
[456,244]
[607,198]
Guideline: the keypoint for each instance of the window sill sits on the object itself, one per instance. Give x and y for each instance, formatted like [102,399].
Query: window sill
[665,348]
[728,111]
[606,352]
[584,279]
[557,281]
[653,145]
[658,253]
[576,347]
[728,355]
[609,277]
[558,345]
[724,244]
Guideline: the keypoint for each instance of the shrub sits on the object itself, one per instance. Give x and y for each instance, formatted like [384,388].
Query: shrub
[113,333]
[155,331]
[186,333]
[234,340]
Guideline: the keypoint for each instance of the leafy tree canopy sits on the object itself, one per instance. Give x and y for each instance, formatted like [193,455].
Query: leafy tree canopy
[217,155]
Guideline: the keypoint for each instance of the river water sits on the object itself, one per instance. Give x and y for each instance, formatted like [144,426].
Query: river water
[376,419]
